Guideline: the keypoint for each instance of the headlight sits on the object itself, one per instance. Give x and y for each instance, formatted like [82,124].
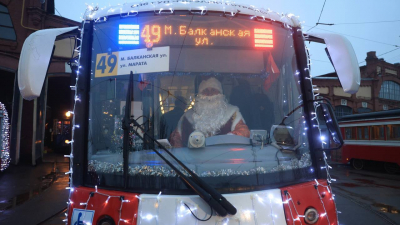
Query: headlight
[311,216]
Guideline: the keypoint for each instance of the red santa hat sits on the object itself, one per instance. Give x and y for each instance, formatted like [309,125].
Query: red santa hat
[210,83]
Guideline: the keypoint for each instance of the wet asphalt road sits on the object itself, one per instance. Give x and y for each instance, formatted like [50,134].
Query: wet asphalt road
[31,194]
[367,197]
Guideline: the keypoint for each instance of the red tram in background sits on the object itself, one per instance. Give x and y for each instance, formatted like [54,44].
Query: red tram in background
[371,138]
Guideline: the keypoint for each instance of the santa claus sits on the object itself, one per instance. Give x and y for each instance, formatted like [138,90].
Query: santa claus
[211,115]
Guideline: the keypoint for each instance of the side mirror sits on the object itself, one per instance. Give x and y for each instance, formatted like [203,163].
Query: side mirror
[330,135]
[35,59]
[343,58]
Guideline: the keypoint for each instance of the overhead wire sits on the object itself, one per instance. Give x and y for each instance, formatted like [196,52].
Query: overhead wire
[383,53]
[58,12]
[353,23]
[356,37]
[357,23]
[318,60]
[319,16]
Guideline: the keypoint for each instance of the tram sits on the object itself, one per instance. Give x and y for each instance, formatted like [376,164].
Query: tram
[370,138]
[195,112]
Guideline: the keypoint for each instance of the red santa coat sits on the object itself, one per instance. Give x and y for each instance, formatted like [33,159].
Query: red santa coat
[234,124]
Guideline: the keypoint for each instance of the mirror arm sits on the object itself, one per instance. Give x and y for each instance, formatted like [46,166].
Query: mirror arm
[71,34]
[313,39]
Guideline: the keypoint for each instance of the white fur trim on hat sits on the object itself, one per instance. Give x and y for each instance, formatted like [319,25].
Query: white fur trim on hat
[210,83]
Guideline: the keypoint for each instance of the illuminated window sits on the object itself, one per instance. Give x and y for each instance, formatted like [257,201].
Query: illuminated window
[390,90]
[6,27]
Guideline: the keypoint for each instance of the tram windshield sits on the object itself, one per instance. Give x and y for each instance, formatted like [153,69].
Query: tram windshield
[221,94]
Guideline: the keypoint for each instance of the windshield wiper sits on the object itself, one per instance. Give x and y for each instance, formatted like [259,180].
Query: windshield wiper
[216,201]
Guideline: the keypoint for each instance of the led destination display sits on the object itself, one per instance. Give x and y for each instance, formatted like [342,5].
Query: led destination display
[196,33]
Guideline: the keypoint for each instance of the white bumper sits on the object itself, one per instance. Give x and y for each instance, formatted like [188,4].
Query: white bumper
[261,207]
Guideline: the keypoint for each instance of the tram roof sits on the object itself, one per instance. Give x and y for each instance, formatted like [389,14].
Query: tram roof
[168,6]
[393,113]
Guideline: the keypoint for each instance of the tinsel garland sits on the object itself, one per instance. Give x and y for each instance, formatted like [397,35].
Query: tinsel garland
[162,171]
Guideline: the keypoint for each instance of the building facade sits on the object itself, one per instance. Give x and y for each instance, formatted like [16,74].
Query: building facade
[379,89]
[18,19]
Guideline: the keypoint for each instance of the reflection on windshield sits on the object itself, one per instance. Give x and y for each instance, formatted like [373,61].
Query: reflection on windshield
[216,110]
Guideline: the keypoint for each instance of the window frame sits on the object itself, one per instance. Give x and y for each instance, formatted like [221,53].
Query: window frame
[389,129]
[342,110]
[12,25]
[390,90]
[352,131]
[361,132]
[372,134]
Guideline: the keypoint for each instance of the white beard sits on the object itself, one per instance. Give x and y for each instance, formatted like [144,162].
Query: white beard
[209,114]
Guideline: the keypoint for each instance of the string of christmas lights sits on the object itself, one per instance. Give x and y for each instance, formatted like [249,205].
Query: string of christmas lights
[90,9]
[329,187]
[322,202]
[327,166]
[4,138]
[288,201]
[76,98]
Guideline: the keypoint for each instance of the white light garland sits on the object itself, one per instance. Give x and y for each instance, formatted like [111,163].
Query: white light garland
[73,121]
[322,202]
[5,138]
[288,201]
[86,205]
[329,187]
[75,126]
[327,166]
[92,195]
